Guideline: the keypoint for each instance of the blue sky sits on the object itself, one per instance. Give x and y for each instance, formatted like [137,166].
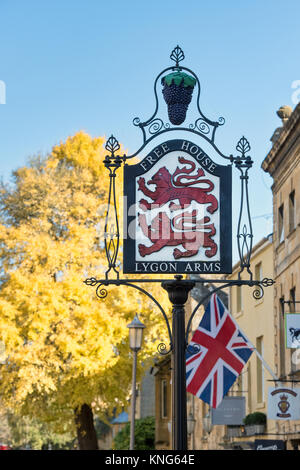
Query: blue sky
[73,65]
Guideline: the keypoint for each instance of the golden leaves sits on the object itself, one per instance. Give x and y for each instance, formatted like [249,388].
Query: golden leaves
[61,341]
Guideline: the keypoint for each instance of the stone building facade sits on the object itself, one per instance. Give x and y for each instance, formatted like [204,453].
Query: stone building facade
[256,320]
[283,164]
[277,257]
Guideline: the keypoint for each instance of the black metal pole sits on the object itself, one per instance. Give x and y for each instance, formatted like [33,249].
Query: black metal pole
[133,401]
[178,294]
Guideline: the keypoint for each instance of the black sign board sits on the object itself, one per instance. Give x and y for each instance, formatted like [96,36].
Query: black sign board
[177,216]
[269,444]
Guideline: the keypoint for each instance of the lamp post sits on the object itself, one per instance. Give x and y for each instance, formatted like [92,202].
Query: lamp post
[178,294]
[135,342]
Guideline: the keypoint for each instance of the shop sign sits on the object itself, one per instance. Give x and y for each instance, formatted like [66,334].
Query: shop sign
[178,212]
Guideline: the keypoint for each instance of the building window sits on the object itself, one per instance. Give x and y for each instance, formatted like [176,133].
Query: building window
[164,398]
[239,385]
[239,299]
[259,371]
[292,213]
[258,272]
[280,224]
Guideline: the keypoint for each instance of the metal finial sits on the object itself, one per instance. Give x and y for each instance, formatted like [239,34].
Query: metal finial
[112,145]
[243,146]
[177,55]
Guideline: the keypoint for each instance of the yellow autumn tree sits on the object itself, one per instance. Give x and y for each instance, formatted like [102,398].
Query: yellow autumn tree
[67,352]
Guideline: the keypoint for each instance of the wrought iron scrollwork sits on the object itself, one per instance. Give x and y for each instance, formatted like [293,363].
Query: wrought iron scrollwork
[193,348]
[201,125]
[258,292]
[155,125]
[111,231]
[152,128]
[267,282]
[206,129]
[101,292]
[243,163]
[163,350]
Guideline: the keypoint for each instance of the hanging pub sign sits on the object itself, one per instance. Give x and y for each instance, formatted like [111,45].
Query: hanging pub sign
[283,403]
[292,330]
[177,212]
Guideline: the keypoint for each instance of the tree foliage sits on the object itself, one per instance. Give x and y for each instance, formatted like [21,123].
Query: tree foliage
[144,435]
[28,433]
[64,347]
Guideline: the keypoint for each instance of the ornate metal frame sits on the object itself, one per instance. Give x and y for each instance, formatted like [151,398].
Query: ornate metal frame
[152,128]
[155,126]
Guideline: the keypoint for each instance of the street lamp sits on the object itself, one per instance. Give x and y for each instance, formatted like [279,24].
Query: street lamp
[135,342]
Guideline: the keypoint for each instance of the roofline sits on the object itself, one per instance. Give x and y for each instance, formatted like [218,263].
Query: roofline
[286,130]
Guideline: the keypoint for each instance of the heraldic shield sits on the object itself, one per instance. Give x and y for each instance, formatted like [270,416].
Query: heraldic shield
[178,212]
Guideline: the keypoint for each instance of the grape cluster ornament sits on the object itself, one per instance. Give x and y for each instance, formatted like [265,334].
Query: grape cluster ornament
[177,92]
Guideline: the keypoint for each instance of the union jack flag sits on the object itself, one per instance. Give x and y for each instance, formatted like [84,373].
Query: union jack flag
[216,354]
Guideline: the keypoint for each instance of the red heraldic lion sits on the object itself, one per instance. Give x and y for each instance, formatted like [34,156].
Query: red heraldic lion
[171,187]
[192,235]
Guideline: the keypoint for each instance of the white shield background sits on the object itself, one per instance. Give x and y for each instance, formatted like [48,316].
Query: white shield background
[275,398]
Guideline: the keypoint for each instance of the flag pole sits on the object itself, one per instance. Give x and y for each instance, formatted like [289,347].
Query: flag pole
[265,364]
[276,379]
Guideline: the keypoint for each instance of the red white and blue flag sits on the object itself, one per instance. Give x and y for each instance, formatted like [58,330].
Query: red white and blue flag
[216,354]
